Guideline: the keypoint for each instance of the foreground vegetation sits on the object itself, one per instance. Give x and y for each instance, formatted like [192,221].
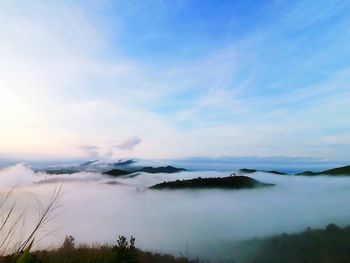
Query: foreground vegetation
[123,252]
[331,245]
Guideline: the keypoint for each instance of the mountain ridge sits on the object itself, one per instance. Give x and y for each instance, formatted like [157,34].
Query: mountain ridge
[343,170]
[229,182]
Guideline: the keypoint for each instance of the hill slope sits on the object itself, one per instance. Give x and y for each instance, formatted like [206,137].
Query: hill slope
[344,170]
[230,182]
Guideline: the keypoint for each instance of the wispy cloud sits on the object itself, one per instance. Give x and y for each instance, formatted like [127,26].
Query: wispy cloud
[91,151]
[129,144]
[68,77]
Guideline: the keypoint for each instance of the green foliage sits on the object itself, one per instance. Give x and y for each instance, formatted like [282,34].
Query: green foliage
[25,257]
[125,252]
[68,243]
[330,245]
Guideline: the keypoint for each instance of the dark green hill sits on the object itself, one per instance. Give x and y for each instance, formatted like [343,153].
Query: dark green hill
[116,172]
[230,182]
[275,172]
[309,173]
[62,171]
[344,170]
[331,245]
[250,171]
[338,171]
[161,169]
[247,171]
[147,169]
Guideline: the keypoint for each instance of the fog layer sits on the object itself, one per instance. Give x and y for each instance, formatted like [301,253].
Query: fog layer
[168,221]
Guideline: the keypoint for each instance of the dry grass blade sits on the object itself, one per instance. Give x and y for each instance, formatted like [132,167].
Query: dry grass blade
[45,216]
[12,242]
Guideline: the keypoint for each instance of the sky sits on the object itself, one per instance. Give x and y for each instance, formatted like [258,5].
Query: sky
[175,79]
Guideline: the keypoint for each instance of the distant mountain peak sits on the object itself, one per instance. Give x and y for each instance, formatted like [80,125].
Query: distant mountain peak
[122,162]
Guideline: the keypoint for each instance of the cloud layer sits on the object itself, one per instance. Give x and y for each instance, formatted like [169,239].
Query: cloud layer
[164,221]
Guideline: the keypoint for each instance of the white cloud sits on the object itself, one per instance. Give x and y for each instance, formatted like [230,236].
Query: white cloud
[129,143]
[58,91]
[91,151]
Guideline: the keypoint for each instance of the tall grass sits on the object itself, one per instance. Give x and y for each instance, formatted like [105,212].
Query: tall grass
[16,233]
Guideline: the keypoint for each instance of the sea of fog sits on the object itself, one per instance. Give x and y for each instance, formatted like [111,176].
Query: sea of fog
[203,221]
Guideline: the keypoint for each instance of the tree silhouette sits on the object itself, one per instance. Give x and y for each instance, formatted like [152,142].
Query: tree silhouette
[125,252]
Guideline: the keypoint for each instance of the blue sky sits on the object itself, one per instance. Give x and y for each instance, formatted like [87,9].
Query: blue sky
[173,79]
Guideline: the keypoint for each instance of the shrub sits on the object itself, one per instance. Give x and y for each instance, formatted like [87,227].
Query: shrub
[125,252]
[68,243]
